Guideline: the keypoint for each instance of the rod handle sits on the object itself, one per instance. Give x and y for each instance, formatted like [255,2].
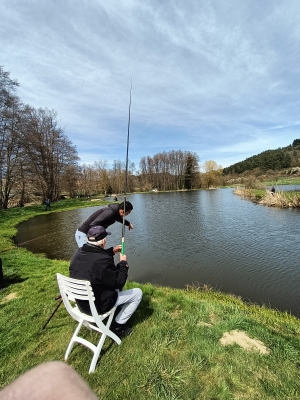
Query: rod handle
[123,246]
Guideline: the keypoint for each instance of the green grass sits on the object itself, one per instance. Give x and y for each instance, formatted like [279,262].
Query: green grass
[279,199]
[174,351]
[282,181]
[258,193]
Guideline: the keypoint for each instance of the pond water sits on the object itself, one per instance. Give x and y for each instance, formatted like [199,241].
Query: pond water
[200,237]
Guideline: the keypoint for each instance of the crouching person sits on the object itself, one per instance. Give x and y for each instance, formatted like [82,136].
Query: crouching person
[94,263]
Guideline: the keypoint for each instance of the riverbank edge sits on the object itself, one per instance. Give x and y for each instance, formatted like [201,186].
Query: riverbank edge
[265,197]
[24,271]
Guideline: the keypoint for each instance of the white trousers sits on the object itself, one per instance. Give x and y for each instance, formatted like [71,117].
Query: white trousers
[130,299]
[80,238]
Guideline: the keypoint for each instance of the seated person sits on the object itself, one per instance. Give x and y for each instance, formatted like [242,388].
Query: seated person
[94,263]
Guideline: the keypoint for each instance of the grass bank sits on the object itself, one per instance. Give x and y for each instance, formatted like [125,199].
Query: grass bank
[282,180]
[175,351]
[290,199]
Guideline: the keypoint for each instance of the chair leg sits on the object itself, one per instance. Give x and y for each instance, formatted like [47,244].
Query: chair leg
[100,345]
[109,321]
[95,349]
[97,353]
[73,339]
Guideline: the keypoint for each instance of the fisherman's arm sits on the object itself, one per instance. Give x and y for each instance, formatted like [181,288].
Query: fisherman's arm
[127,223]
[110,275]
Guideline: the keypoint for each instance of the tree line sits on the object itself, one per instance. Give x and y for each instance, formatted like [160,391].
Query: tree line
[173,170]
[35,152]
[39,162]
[267,160]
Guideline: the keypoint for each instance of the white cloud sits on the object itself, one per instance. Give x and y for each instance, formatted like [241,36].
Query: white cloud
[211,77]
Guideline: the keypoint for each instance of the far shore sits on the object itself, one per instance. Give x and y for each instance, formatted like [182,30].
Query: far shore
[265,197]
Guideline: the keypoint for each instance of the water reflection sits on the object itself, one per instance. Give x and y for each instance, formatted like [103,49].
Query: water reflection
[211,237]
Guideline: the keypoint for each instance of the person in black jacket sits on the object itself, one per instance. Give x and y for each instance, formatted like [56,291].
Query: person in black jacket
[94,263]
[105,217]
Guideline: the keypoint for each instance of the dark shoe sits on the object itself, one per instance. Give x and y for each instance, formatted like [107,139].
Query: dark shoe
[125,332]
[121,330]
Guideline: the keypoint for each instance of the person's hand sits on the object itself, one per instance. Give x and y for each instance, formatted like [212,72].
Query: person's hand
[130,226]
[123,257]
[117,249]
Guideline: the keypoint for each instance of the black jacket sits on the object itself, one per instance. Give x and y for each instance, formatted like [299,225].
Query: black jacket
[104,216]
[94,264]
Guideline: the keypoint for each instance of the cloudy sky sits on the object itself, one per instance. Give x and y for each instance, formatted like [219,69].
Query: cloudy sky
[219,78]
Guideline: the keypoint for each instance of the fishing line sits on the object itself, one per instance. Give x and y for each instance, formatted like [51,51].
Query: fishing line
[27,241]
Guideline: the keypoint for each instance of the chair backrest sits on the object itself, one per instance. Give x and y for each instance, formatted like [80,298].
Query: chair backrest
[76,289]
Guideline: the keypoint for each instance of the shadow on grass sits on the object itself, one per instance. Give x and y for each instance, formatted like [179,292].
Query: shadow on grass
[7,281]
[143,312]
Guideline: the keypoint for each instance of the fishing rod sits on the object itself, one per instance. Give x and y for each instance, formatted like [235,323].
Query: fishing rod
[126,173]
[123,224]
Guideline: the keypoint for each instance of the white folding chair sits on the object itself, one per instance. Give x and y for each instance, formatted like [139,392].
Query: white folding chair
[72,289]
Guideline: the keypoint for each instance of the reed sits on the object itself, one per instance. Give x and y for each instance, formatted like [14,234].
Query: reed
[265,197]
[281,199]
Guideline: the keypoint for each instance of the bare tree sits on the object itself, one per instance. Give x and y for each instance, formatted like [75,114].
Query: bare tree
[170,170]
[11,149]
[48,148]
[8,105]
[100,168]
[117,177]
[85,182]
[70,180]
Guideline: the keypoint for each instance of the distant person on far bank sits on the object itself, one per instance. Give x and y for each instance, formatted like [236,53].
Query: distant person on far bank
[48,204]
[273,190]
[105,217]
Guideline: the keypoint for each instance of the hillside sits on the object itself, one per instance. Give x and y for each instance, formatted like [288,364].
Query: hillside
[280,160]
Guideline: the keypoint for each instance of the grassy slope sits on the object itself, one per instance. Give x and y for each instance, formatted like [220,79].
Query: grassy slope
[281,199]
[174,351]
[283,180]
